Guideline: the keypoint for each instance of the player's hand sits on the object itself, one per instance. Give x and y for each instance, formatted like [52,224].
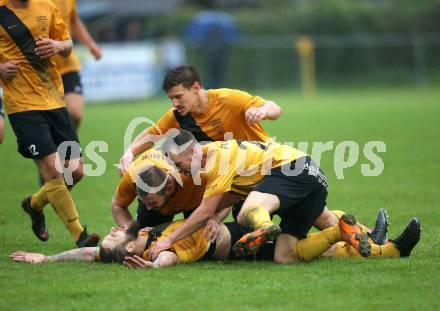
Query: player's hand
[145,230]
[255,115]
[96,51]
[9,69]
[137,262]
[47,47]
[20,256]
[125,161]
[212,230]
[158,247]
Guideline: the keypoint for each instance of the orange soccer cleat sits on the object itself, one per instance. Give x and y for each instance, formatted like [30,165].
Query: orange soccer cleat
[251,242]
[353,235]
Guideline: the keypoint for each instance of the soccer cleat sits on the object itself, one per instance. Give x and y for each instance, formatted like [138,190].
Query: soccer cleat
[251,242]
[38,221]
[406,241]
[379,233]
[87,240]
[353,235]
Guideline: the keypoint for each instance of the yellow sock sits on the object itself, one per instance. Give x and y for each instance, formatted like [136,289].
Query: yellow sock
[384,251]
[257,217]
[316,244]
[365,229]
[61,200]
[338,214]
[344,250]
[39,200]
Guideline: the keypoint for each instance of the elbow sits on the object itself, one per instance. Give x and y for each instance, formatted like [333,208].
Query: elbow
[278,112]
[116,208]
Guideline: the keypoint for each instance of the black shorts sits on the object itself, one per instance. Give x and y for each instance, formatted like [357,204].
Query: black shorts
[151,218]
[40,133]
[72,82]
[302,196]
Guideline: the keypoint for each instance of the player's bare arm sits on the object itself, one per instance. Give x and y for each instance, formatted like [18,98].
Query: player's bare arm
[47,47]
[9,69]
[164,259]
[213,226]
[83,35]
[268,111]
[80,254]
[120,212]
[141,143]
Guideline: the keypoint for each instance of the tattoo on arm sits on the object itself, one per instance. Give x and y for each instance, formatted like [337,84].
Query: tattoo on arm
[78,254]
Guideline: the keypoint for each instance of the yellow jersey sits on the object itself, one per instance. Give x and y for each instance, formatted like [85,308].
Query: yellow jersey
[226,113]
[69,13]
[237,166]
[37,85]
[187,197]
[189,249]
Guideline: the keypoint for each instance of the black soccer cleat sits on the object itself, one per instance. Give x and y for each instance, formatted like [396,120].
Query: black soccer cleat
[38,221]
[87,240]
[379,233]
[406,241]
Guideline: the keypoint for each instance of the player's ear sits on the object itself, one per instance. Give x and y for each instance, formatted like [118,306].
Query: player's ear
[130,247]
[196,86]
[169,183]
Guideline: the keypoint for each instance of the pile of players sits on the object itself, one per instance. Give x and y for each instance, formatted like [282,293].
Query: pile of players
[215,159]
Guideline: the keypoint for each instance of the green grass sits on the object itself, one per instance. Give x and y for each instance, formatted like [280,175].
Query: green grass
[407,120]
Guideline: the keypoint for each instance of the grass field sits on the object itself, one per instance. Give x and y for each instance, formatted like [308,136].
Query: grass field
[407,120]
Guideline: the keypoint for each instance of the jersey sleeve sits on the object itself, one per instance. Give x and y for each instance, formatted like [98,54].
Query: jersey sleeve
[126,191]
[243,100]
[58,29]
[165,123]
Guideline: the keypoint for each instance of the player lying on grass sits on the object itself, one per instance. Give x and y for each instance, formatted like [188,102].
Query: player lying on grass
[174,193]
[131,245]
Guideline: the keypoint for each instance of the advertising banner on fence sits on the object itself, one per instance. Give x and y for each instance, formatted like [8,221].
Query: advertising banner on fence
[126,72]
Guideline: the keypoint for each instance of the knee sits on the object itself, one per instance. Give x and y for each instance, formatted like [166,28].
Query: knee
[50,173]
[326,220]
[78,174]
[76,116]
[284,259]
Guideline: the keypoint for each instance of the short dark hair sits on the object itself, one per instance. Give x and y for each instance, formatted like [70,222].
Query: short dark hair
[153,177]
[186,75]
[178,140]
[113,255]
[118,253]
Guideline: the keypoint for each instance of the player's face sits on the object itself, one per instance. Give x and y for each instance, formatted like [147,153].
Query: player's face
[182,161]
[184,99]
[116,236]
[154,201]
